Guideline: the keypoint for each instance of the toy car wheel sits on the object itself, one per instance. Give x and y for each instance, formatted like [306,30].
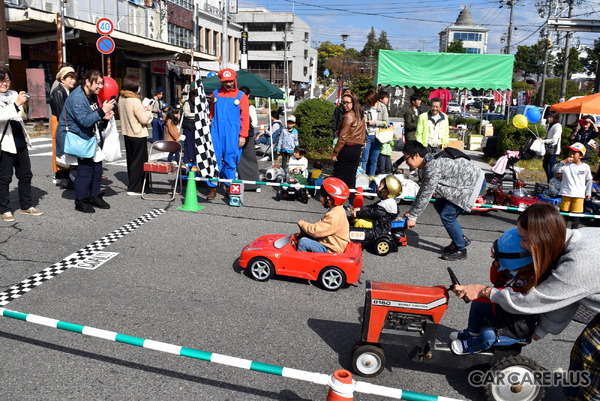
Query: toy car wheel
[304,197]
[278,194]
[382,247]
[332,278]
[488,199]
[368,360]
[261,268]
[522,380]
[506,203]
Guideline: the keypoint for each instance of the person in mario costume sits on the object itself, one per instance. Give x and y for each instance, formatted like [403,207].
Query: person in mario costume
[230,124]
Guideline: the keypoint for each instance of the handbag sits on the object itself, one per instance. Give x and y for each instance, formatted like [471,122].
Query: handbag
[76,145]
[79,147]
[385,135]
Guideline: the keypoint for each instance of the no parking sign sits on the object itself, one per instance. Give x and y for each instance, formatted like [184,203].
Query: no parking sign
[105,45]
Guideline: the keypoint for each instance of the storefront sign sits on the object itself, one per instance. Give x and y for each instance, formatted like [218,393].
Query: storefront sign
[159,67]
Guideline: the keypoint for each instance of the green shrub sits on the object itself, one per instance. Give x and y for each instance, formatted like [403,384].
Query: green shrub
[314,124]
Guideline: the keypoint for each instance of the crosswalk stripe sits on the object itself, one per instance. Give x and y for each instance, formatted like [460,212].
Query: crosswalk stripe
[40,139]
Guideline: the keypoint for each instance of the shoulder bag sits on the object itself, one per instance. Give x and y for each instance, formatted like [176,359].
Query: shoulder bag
[76,145]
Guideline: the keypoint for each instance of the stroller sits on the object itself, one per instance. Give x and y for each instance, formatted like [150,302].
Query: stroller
[518,196]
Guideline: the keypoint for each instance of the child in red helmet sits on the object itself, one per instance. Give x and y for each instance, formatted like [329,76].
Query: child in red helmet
[332,233]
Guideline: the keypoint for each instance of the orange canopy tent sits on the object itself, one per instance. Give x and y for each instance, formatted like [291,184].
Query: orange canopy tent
[584,105]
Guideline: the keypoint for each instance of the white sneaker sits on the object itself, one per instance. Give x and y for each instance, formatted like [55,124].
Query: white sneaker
[258,190]
[8,217]
[134,193]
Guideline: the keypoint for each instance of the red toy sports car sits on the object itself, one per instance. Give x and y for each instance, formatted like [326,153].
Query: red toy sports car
[276,253]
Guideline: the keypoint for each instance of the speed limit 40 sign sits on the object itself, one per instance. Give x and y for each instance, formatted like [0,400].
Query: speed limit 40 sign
[105,26]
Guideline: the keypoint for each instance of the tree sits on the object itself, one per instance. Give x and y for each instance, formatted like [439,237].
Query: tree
[314,123]
[591,61]
[576,63]
[371,46]
[456,46]
[360,85]
[327,51]
[530,59]
[383,43]
[552,91]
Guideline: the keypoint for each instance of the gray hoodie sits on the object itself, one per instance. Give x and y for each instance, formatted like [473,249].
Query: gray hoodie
[575,281]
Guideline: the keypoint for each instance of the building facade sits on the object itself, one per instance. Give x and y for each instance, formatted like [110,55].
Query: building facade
[161,41]
[278,47]
[474,36]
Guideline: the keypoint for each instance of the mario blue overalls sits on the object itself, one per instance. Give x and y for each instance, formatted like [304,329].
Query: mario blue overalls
[225,132]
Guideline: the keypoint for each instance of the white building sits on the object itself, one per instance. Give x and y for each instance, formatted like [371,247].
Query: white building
[274,40]
[474,36]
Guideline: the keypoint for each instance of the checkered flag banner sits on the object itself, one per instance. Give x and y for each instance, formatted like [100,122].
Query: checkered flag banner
[205,153]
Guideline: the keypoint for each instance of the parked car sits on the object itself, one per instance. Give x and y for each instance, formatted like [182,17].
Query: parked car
[454,108]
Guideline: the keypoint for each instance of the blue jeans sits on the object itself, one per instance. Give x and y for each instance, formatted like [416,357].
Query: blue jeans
[483,321]
[310,245]
[370,155]
[158,130]
[548,164]
[449,213]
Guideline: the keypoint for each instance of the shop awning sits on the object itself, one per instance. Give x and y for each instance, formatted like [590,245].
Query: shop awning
[445,70]
[257,85]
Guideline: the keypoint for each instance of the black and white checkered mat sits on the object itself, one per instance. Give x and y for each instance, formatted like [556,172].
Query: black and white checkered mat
[74,259]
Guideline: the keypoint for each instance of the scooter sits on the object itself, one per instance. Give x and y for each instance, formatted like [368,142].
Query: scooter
[409,316]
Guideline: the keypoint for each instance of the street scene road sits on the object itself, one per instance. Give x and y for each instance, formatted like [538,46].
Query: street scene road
[175,279]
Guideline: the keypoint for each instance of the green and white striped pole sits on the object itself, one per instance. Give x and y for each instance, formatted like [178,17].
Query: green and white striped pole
[370,194]
[317,378]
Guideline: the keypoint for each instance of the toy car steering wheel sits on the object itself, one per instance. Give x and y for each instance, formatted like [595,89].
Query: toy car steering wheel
[455,281]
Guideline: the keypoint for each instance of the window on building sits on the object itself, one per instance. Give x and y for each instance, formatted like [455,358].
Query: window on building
[179,36]
[468,36]
[305,71]
[472,50]
[188,4]
[260,46]
[306,36]
[305,53]
[260,27]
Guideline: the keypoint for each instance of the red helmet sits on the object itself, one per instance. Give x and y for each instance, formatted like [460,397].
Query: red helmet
[337,189]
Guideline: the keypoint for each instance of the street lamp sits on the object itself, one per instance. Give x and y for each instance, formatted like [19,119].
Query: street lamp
[341,83]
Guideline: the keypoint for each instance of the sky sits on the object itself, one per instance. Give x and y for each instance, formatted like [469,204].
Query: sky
[414,25]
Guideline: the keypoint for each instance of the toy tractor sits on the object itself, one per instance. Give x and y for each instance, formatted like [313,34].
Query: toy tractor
[409,316]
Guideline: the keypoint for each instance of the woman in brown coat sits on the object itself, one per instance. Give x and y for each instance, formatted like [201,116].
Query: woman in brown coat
[134,120]
[351,138]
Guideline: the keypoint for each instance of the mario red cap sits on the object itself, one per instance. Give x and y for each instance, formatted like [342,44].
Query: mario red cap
[577,147]
[227,74]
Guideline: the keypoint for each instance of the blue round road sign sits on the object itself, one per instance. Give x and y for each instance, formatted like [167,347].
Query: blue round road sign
[105,45]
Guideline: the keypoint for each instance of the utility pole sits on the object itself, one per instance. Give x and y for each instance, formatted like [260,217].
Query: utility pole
[224,41]
[285,67]
[566,52]
[511,4]
[545,68]
[3,35]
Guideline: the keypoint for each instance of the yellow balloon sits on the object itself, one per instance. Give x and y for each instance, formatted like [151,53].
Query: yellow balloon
[520,121]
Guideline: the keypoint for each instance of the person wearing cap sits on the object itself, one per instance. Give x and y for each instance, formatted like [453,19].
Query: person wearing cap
[66,80]
[288,140]
[584,132]
[576,184]
[230,116]
[490,325]
[158,128]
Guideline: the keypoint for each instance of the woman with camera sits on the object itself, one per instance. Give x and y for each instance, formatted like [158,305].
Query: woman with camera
[14,155]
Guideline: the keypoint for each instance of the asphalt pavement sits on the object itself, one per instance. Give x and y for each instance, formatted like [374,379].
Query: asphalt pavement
[173,277]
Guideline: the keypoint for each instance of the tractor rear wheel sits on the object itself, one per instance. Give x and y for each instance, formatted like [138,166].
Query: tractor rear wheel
[516,378]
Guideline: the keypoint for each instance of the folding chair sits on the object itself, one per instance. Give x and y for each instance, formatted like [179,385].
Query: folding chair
[156,167]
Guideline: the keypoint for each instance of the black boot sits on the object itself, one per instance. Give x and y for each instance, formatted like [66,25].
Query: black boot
[458,254]
[99,202]
[83,206]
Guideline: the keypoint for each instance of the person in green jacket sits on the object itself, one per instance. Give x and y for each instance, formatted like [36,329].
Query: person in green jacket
[433,129]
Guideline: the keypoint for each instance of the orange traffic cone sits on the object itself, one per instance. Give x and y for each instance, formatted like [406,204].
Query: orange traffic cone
[341,386]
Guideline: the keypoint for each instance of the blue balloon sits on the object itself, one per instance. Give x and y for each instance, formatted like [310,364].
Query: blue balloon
[211,74]
[533,115]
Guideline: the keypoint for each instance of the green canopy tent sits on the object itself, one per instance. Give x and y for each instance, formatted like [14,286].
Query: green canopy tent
[258,86]
[445,70]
